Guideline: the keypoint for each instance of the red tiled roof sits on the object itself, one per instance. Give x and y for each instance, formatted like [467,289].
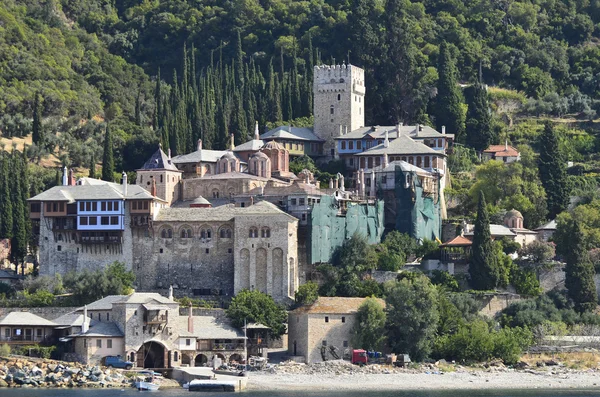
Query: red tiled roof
[502,151]
[458,241]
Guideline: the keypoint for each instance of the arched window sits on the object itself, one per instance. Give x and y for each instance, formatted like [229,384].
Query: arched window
[166,233]
[339,97]
[176,356]
[186,233]
[343,145]
[205,233]
[253,232]
[427,162]
[215,193]
[59,237]
[225,232]
[331,109]
[265,232]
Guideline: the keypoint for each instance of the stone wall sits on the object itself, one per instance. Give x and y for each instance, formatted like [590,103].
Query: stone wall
[49,313]
[60,253]
[336,332]
[492,304]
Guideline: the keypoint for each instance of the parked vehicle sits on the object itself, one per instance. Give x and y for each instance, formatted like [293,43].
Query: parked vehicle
[402,360]
[117,362]
[359,356]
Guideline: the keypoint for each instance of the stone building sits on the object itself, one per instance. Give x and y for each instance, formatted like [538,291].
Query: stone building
[323,331]
[219,251]
[300,141]
[202,251]
[148,330]
[339,103]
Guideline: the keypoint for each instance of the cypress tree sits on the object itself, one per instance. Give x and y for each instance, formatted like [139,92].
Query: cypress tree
[158,99]
[239,67]
[6,206]
[483,269]
[57,181]
[108,162]
[553,172]
[480,134]
[449,110]
[38,131]
[579,272]
[19,236]
[138,109]
[92,173]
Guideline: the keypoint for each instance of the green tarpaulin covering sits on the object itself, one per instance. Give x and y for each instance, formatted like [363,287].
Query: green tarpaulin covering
[329,227]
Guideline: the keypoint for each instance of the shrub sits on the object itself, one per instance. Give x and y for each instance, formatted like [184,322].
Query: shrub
[4,350]
[307,294]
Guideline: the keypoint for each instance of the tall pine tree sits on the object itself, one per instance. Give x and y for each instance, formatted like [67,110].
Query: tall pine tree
[484,267]
[480,134]
[37,136]
[449,111]
[553,172]
[92,173]
[108,161]
[19,236]
[6,203]
[579,272]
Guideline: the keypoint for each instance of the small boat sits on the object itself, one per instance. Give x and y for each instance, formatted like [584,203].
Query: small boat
[146,386]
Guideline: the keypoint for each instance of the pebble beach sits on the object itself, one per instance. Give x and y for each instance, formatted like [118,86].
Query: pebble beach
[340,376]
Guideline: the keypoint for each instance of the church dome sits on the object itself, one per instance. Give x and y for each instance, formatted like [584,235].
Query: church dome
[513,214]
[229,155]
[260,155]
[272,145]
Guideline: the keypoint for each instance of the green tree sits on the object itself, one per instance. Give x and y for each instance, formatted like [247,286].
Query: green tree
[6,204]
[412,316]
[579,272]
[483,268]
[257,307]
[108,162]
[449,102]
[369,326]
[480,132]
[553,172]
[92,170]
[37,136]
[307,293]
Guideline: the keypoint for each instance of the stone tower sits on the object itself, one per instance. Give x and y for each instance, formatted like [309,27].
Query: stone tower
[160,176]
[339,103]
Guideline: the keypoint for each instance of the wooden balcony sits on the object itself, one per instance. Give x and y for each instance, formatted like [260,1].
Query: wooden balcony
[160,319]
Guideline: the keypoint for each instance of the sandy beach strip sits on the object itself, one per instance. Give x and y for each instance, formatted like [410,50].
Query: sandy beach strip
[476,380]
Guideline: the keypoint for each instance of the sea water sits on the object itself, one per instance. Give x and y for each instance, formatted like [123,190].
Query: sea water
[399,393]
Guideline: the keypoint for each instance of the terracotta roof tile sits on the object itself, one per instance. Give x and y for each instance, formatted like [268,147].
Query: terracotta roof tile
[502,151]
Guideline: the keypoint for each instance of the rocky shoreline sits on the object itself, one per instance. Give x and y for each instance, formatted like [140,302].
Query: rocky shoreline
[27,372]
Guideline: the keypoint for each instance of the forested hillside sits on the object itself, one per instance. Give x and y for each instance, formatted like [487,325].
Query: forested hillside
[93,61]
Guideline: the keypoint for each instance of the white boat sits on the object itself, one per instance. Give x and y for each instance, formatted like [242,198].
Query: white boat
[146,386]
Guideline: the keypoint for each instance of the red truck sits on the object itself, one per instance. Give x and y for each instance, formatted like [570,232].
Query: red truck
[359,356]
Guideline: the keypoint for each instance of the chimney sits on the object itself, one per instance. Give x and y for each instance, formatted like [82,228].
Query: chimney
[330,183]
[171,293]
[345,129]
[386,142]
[169,153]
[373,183]
[386,160]
[232,143]
[342,185]
[71,177]
[256,134]
[251,200]
[362,183]
[85,326]
[289,129]
[506,144]
[124,184]
[443,130]
[199,145]
[341,130]
[65,180]
[420,127]
[190,321]
[401,123]
[153,189]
